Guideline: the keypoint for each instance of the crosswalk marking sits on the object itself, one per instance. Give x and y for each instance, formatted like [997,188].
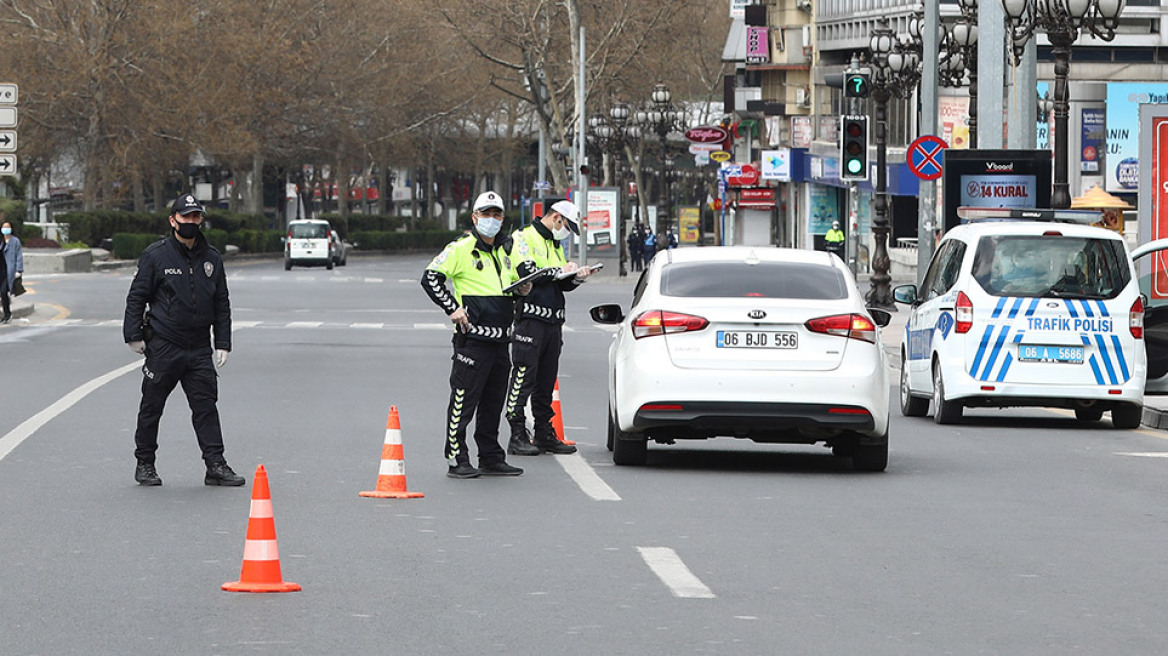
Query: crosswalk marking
[306,324]
[299,325]
[668,567]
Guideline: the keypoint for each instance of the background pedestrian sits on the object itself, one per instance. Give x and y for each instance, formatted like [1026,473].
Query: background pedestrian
[13,267]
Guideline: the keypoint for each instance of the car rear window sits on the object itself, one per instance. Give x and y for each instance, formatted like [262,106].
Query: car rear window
[1051,266]
[309,231]
[759,280]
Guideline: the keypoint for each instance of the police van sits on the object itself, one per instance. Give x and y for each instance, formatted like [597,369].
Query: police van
[1045,311]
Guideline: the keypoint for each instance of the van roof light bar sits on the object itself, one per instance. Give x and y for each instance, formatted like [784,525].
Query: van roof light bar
[1084,217]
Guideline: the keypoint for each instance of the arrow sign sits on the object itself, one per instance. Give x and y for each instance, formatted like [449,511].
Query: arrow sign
[7,141]
[9,93]
[7,165]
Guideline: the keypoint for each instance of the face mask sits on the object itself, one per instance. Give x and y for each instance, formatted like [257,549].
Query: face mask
[488,227]
[561,233]
[187,230]
[6,231]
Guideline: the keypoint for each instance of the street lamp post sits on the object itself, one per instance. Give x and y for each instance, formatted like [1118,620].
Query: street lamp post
[896,64]
[661,117]
[960,59]
[1061,20]
[611,134]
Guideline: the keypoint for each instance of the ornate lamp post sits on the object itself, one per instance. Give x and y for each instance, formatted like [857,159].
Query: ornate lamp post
[959,58]
[661,117]
[611,134]
[1061,20]
[896,70]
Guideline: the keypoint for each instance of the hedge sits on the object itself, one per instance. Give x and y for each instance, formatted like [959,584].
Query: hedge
[369,240]
[378,223]
[128,246]
[92,227]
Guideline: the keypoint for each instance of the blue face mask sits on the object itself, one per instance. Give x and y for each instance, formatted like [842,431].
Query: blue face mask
[488,227]
[6,231]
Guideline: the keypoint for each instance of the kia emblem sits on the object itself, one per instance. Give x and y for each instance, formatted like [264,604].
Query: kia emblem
[756,314]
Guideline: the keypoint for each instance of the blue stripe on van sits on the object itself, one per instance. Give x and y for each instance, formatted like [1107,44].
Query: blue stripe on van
[1087,308]
[998,308]
[1119,357]
[985,339]
[1094,364]
[1071,308]
[1105,355]
[1017,306]
[1033,306]
[985,375]
[1102,309]
[1005,367]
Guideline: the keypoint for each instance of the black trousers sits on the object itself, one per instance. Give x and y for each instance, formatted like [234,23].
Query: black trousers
[5,302]
[167,365]
[535,355]
[478,385]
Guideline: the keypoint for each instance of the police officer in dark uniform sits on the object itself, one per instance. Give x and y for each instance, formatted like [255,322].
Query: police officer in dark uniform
[539,330]
[478,265]
[178,297]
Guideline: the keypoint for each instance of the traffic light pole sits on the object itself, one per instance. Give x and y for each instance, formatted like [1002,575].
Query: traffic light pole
[880,295]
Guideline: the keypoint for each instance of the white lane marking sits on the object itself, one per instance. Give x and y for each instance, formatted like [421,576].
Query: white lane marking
[667,565]
[581,472]
[245,324]
[305,324]
[33,423]
[432,326]
[377,280]
[1145,454]
[367,325]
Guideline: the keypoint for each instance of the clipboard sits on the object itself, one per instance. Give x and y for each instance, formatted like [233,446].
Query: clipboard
[531,277]
[564,275]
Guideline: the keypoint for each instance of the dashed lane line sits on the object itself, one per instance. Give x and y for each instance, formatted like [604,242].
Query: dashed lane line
[585,477]
[668,567]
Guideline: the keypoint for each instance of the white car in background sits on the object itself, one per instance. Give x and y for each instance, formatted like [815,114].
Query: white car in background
[308,242]
[768,344]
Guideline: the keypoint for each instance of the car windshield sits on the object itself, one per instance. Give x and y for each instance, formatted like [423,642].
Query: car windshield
[1051,266]
[796,280]
[309,231]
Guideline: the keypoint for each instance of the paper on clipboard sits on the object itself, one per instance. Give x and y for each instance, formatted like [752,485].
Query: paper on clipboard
[531,277]
[563,275]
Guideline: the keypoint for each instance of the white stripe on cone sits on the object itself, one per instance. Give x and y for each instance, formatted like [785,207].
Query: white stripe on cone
[260,550]
[392,468]
[393,436]
[261,508]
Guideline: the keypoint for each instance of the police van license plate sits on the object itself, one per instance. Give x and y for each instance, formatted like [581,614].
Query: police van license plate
[755,339]
[1066,354]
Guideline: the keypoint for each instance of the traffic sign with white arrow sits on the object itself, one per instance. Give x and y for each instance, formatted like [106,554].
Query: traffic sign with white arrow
[7,141]
[7,165]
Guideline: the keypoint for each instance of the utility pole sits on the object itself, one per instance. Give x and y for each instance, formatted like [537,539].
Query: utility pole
[582,154]
[927,222]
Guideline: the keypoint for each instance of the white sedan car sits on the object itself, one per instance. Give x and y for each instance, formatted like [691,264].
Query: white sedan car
[769,344]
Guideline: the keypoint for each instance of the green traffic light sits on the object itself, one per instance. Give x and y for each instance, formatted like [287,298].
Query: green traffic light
[854,166]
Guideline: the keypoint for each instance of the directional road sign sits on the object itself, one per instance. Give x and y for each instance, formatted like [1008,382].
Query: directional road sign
[7,117]
[925,156]
[7,141]
[9,93]
[7,165]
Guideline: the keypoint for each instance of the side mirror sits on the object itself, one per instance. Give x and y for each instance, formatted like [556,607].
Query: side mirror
[906,294]
[880,316]
[608,314]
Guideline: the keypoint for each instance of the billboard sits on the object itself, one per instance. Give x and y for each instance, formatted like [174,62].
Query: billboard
[995,178]
[1123,136]
[1153,223]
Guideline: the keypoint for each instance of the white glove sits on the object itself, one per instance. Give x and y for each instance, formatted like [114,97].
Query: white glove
[220,357]
[18,274]
[137,347]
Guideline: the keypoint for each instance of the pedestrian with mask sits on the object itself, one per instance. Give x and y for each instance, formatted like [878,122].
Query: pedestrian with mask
[178,313]
[834,240]
[478,266]
[636,243]
[539,329]
[11,267]
[650,245]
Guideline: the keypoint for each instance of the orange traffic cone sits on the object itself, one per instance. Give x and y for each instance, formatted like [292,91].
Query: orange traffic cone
[391,480]
[558,415]
[261,558]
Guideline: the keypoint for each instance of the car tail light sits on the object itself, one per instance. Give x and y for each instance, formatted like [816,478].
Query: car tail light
[1135,321]
[1052,233]
[657,322]
[964,312]
[855,326]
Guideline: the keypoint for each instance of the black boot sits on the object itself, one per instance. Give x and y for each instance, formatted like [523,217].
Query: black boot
[520,444]
[547,442]
[145,474]
[221,474]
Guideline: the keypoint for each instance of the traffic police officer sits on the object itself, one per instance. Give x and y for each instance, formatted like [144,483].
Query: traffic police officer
[835,240]
[479,266]
[177,299]
[538,335]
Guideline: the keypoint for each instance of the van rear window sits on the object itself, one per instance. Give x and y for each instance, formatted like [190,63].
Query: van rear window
[761,280]
[309,231]
[1051,266]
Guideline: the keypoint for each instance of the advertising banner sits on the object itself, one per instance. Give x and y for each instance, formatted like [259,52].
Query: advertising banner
[1092,144]
[1123,148]
[758,45]
[824,209]
[601,219]
[994,178]
[776,164]
[801,132]
[688,221]
[1153,223]
[953,112]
